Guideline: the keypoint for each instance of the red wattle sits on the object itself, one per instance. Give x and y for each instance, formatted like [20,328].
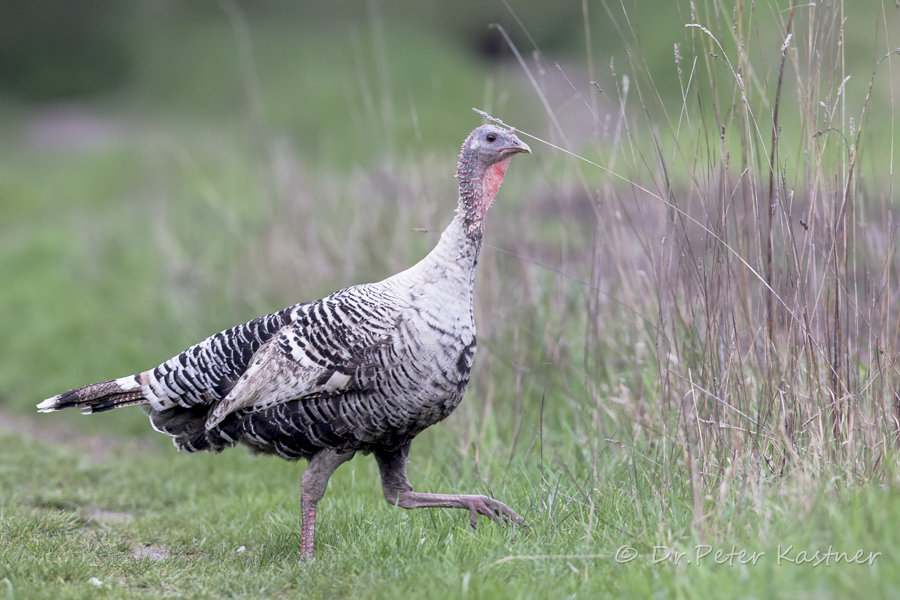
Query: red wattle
[493,177]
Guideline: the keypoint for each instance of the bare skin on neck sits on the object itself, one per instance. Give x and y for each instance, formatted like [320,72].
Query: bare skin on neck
[490,185]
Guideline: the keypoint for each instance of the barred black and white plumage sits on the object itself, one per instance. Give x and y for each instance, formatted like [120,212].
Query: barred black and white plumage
[364,369]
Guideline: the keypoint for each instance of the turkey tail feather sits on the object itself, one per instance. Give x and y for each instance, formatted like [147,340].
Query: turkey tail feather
[97,397]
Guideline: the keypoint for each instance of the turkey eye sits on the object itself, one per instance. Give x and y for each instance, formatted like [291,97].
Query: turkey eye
[491,137]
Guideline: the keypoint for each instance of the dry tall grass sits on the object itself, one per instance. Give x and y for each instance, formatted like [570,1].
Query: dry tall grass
[764,285]
[710,284]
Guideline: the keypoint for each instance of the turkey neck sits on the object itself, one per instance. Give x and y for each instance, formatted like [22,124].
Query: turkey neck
[452,262]
[478,184]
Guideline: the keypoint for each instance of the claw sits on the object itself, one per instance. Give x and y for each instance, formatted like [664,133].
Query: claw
[476,505]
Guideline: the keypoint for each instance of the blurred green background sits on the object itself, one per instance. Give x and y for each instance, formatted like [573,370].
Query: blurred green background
[145,147]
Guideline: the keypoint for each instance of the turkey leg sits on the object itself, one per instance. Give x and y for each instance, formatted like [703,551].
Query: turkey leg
[312,489]
[399,492]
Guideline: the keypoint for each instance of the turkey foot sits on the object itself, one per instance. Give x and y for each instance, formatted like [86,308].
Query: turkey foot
[476,505]
[398,491]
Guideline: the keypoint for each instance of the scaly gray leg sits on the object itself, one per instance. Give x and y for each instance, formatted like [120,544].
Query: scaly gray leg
[312,489]
[399,492]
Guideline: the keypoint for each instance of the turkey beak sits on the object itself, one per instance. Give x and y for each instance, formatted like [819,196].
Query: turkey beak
[517,147]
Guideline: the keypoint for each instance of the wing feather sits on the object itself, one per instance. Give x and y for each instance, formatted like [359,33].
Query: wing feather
[325,355]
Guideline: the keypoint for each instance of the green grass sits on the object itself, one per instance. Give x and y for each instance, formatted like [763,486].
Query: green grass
[65,519]
[622,352]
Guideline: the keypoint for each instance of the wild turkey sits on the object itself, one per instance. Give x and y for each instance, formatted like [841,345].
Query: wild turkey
[365,369]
